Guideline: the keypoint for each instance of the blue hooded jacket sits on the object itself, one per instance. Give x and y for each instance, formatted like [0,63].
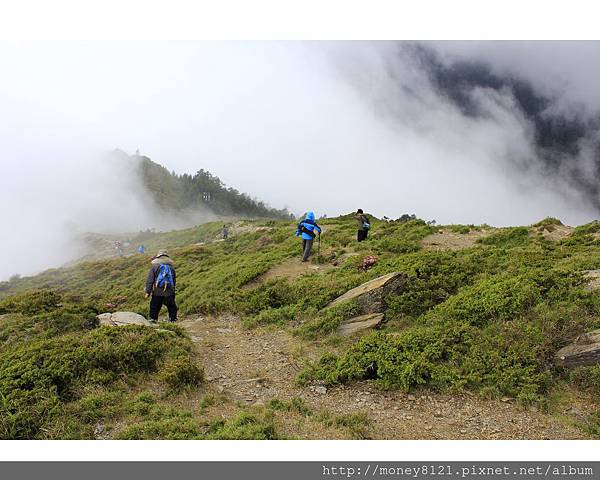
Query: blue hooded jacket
[309,224]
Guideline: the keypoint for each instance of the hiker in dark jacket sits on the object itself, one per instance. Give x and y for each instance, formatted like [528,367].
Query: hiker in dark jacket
[363,225]
[161,287]
[306,229]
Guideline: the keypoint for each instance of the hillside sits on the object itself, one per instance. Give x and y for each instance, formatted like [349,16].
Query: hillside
[466,349]
[202,191]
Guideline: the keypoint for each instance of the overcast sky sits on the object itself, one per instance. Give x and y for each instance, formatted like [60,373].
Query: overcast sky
[302,125]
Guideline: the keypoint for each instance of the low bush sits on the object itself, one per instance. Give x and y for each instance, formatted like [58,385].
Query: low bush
[31,303]
[180,373]
[587,378]
[507,238]
[495,298]
[462,229]
[39,377]
[548,221]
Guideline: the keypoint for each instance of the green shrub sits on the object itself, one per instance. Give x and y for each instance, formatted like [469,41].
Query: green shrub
[462,229]
[208,400]
[402,361]
[328,320]
[273,294]
[547,222]
[245,426]
[587,229]
[171,427]
[587,378]
[31,303]
[592,425]
[276,316]
[504,298]
[356,423]
[507,359]
[507,238]
[436,277]
[180,373]
[445,357]
[38,377]
[297,405]
[17,328]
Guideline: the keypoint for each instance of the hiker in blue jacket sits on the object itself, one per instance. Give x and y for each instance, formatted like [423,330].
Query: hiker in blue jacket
[306,229]
[160,285]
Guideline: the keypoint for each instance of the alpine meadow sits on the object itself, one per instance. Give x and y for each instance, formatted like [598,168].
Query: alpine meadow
[460,301]
[470,336]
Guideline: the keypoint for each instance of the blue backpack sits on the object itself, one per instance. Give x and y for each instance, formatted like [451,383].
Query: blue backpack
[164,278]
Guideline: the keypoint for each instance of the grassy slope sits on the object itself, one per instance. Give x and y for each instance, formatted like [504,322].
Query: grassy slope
[487,318]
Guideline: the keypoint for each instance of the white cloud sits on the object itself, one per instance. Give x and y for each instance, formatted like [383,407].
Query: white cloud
[329,127]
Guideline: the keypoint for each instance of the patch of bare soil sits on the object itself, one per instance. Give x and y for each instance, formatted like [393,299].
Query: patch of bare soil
[289,269]
[448,240]
[555,233]
[255,366]
[236,229]
[240,228]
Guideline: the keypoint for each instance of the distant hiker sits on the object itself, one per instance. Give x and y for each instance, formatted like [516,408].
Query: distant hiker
[141,249]
[119,247]
[363,224]
[306,229]
[225,232]
[161,285]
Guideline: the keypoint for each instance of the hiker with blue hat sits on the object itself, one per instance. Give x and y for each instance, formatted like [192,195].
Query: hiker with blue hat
[306,229]
[160,285]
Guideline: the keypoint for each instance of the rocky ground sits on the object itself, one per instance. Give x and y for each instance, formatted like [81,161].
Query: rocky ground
[555,232]
[448,240]
[290,269]
[253,367]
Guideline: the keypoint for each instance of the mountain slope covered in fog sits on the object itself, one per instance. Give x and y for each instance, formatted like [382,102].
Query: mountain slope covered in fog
[202,191]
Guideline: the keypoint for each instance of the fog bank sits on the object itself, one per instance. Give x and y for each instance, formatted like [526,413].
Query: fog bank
[470,132]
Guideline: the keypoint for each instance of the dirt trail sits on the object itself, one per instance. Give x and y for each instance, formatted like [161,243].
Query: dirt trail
[255,366]
[448,240]
[294,268]
[289,269]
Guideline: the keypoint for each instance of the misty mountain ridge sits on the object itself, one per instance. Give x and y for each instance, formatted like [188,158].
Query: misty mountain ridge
[202,193]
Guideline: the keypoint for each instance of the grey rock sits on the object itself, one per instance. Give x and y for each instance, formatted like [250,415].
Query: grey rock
[98,429]
[593,280]
[119,319]
[370,296]
[585,350]
[357,324]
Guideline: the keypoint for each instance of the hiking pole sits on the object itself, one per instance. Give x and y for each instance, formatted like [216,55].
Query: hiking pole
[319,247]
